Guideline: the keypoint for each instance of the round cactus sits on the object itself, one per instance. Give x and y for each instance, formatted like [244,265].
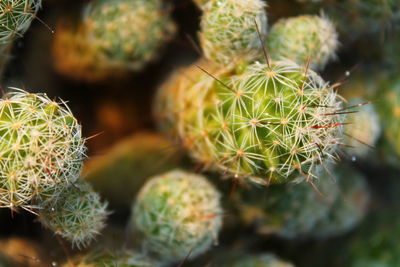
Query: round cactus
[288,210]
[106,259]
[178,214]
[303,38]
[41,148]
[114,35]
[228,29]
[76,214]
[268,123]
[363,130]
[349,207]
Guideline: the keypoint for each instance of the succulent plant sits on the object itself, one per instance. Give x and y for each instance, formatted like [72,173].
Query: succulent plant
[15,19]
[130,162]
[268,123]
[302,39]
[117,35]
[178,214]
[77,214]
[229,29]
[41,148]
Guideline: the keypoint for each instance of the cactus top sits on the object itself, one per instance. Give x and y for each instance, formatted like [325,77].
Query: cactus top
[15,17]
[268,124]
[228,29]
[303,38]
[41,148]
[178,213]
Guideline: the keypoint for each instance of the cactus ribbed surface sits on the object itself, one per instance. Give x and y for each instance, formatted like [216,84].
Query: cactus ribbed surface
[41,148]
[178,214]
[303,38]
[267,123]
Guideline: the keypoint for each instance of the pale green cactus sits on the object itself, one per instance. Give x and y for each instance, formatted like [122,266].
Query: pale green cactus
[76,214]
[115,35]
[41,148]
[268,124]
[302,39]
[229,29]
[15,19]
[349,207]
[179,214]
[364,129]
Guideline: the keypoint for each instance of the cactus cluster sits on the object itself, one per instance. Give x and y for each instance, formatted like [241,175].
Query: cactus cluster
[270,123]
[178,214]
[304,38]
[113,36]
[229,29]
[76,213]
[41,148]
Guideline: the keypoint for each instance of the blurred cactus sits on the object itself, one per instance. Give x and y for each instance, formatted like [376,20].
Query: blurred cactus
[304,38]
[114,36]
[261,260]
[268,123]
[41,148]
[130,163]
[15,18]
[364,129]
[178,214]
[76,214]
[106,259]
[228,29]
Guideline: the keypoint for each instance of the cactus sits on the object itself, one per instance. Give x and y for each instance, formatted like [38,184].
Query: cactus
[268,124]
[130,162]
[228,29]
[76,214]
[15,19]
[178,214]
[106,259]
[363,130]
[288,210]
[117,35]
[350,205]
[41,148]
[261,260]
[304,38]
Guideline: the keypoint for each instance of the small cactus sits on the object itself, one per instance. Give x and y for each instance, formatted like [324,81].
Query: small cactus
[178,214]
[41,148]
[228,29]
[76,214]
[304,38]
[114,35]
[268,124]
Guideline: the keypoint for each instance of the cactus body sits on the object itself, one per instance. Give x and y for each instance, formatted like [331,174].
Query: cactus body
[76,214]
[268,124]
[303,38]
[117,35]
[228,29]
[41,148]
[178,214]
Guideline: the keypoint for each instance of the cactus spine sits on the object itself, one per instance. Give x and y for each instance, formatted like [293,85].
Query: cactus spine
[178,214]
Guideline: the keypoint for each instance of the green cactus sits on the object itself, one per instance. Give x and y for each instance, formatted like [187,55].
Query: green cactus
[349,207]
[41,148]
[288,210]
[130,162]
[15,19]
[117,35]
[106,259]
[364,129]
[77,214]
[304,38]
[261,260]
[268,123]
[178,214]
[228,29]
